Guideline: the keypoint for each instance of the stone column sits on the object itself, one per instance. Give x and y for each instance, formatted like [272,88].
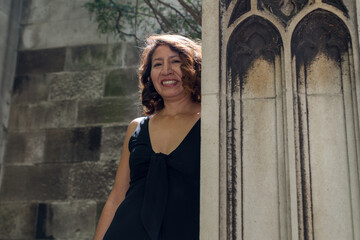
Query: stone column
[210,142]
[280,139]
[10,13]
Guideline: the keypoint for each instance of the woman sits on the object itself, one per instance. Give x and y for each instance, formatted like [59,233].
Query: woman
[156,191]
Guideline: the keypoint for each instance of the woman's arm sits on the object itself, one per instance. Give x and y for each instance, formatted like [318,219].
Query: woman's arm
[120,187]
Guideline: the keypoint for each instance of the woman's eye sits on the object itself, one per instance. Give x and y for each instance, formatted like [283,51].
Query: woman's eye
[156,64]
[176,61]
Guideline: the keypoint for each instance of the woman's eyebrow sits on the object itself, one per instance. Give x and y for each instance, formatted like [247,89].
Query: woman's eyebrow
[160,58]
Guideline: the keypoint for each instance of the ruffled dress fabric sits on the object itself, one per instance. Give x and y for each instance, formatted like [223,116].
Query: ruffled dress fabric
[162,202]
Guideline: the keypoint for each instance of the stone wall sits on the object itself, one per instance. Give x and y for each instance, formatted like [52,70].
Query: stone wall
[73,96]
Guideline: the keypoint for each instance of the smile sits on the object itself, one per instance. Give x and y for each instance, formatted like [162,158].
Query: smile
[168,82]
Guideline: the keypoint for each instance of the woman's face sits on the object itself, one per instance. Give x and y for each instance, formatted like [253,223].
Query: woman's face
[166,73]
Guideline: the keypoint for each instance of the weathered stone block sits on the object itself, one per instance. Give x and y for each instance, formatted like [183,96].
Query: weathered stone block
[17,220]
[25,147]
[34,183]
[49,11]
[34,36]
[132,55]
[87,84]
[74,220]
[92,180]
[74,33]
[41,61]
[72,145]
[36,11]
[112,141]
[91,57]
[121,82]
[68,10]
[44,115]
[30,89]
[108,110]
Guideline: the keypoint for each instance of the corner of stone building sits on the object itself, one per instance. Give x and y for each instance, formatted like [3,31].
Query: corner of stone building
[11,12]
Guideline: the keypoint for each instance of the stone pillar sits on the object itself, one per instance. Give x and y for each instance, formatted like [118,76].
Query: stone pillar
[10,13]
[280,155]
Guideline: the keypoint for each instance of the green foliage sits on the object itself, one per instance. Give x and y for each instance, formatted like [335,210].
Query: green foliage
[139,18]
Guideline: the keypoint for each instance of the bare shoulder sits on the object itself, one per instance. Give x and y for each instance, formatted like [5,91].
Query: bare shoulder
[133,124]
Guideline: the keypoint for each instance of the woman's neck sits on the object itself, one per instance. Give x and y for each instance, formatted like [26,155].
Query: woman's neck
[180,107]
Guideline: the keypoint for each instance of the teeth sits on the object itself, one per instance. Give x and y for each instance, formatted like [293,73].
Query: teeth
[168,82]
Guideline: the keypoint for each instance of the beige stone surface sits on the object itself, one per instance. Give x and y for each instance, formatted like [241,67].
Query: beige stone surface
[209,190]
[260,180]
[210,180]
[329,168]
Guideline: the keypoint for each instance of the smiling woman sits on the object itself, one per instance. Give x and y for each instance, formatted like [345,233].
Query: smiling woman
[156,194]
[183,49]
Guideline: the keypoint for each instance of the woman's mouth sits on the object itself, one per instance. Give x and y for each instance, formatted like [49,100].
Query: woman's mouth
[168,82]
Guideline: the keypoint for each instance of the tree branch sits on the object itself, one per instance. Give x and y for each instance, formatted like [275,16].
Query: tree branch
[193,12]
[135,27]
[183,17]
[117,25]
[194,7]
[157,14]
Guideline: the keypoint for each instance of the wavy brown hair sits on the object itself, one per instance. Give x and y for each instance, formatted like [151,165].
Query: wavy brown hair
[190,55]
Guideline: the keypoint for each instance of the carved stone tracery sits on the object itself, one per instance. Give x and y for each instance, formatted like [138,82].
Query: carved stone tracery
[322,73]
[255,42]
[240,8]
[285,10]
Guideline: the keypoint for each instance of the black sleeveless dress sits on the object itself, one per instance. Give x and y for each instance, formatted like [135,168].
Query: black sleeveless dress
[162,202]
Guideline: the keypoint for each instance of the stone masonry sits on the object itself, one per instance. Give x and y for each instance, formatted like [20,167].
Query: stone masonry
[73,95]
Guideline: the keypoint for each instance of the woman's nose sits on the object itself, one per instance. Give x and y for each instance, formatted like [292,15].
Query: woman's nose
[167,69]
